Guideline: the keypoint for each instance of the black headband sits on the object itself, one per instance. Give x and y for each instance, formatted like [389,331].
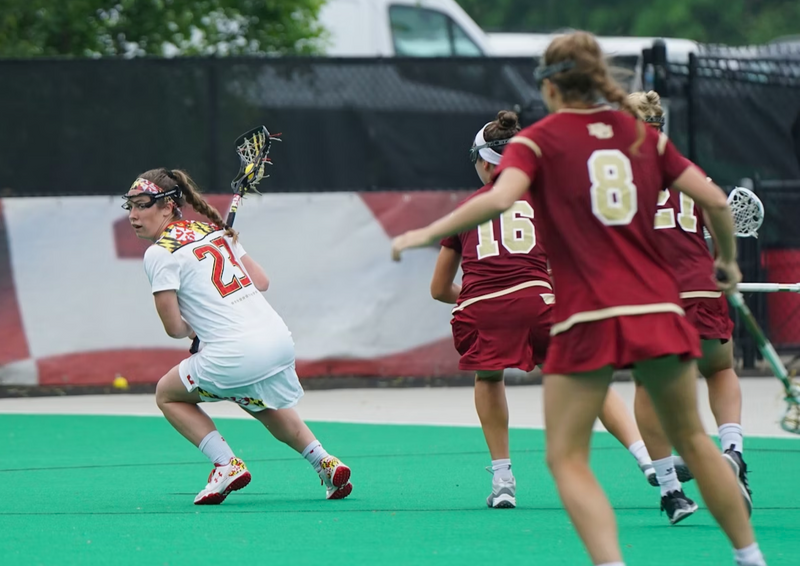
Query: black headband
[547,71]
[474,151]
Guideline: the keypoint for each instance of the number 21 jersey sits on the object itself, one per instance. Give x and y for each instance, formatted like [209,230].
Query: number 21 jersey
[217,299]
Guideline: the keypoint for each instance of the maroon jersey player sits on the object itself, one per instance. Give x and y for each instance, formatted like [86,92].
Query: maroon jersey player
[595,175]
[679,226]
[503,312]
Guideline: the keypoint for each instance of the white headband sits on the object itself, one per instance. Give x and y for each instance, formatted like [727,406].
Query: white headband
[488,154]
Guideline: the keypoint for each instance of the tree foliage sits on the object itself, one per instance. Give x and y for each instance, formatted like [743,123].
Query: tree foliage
[91,28]
[733,22]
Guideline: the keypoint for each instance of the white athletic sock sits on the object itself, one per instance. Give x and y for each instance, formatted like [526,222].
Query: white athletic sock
[612,564]
[216,449]
[639,451]
[749,556]
[314,453]
[665,473]
[731,433]
[502,469]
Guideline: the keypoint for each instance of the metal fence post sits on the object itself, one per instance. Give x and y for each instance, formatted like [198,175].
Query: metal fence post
[691,108]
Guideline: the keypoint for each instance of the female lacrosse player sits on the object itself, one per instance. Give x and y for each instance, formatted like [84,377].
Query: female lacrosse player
[203,282]
[595,175]
[680,229]
[503,315]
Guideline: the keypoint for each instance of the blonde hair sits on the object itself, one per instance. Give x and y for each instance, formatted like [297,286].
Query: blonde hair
[646,104]
[590,77]
[166,179]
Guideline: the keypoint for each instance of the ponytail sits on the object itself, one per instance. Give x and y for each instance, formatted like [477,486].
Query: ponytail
[192,195]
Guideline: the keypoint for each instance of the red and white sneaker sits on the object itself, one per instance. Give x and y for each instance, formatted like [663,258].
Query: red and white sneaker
[222,480]
[335,477]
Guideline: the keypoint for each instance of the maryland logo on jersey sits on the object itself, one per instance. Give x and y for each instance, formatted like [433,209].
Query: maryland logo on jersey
[183,232]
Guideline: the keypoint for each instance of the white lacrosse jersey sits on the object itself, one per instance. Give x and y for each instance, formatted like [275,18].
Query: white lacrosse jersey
[244,339]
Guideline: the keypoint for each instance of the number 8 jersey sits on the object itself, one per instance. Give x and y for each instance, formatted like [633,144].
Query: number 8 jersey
[595,201]
[244,339]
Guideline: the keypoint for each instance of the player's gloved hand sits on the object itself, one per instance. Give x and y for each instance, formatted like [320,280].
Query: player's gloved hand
[727,275]
[195,347]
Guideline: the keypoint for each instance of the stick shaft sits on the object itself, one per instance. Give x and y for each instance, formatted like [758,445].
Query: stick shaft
[769,287]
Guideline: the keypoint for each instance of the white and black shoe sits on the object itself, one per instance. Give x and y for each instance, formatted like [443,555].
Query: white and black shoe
[736,463]
[677,506]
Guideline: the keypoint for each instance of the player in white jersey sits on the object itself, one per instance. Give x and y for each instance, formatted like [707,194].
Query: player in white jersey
[205,285]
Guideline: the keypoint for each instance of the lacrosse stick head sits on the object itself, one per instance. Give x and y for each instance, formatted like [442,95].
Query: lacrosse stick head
[747,211]
[252,147]
[790,421]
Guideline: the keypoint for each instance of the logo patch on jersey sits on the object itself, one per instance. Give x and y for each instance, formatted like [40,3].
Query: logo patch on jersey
[601,131]
[183,232]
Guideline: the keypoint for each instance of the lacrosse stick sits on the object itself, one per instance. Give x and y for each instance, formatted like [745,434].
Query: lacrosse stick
[253,150]
[790,419]
[747,211]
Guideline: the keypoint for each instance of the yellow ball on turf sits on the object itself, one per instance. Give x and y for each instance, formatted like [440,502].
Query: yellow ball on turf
[120,383]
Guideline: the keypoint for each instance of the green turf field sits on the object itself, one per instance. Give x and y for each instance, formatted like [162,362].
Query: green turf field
[93,490]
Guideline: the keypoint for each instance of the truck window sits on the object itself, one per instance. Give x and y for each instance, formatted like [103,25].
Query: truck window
[420,32]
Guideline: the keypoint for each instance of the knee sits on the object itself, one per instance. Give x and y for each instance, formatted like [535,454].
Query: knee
[162,398]
[559,460]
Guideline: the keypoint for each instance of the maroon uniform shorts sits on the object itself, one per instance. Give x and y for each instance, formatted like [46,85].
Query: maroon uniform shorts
[710,317]
[512,331]
[620,342]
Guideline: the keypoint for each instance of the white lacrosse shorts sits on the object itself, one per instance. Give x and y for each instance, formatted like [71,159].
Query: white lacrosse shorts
[278,391]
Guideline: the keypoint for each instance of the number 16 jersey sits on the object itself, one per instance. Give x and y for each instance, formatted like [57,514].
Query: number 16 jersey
[500,254]
[244,339]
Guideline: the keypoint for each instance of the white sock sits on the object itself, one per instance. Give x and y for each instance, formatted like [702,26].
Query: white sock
[731,434]
[639,451]
[216,449]
[502,469]
[749,556]
[314,453]
[612,564]
[665,473]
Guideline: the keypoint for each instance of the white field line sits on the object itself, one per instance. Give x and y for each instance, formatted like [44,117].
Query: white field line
[445,406]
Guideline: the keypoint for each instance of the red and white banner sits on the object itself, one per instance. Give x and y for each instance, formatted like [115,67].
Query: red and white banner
[75,304]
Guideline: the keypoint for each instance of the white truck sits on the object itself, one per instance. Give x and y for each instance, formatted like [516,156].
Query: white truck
[441,28]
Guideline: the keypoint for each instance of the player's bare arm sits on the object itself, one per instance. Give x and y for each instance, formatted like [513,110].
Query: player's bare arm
[170,314]
[510,187]
[443,287]
[256,273]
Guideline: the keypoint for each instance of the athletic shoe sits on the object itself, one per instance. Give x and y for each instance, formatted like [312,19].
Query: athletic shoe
[335,477]
[503,493]
[677,506]
[222,480]
[736,462]
[681,469]
[650,473]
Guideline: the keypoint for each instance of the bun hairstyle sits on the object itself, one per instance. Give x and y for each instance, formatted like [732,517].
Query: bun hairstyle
[505,126]
[169,178]
[646,104]
[588,79]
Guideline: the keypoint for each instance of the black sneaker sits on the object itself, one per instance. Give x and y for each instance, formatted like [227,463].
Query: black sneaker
[736,462]
[677,506]
[682,470]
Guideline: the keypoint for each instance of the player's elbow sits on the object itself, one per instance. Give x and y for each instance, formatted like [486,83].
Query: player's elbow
[439,294]
[261,283]
[175,331]
[715,202]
